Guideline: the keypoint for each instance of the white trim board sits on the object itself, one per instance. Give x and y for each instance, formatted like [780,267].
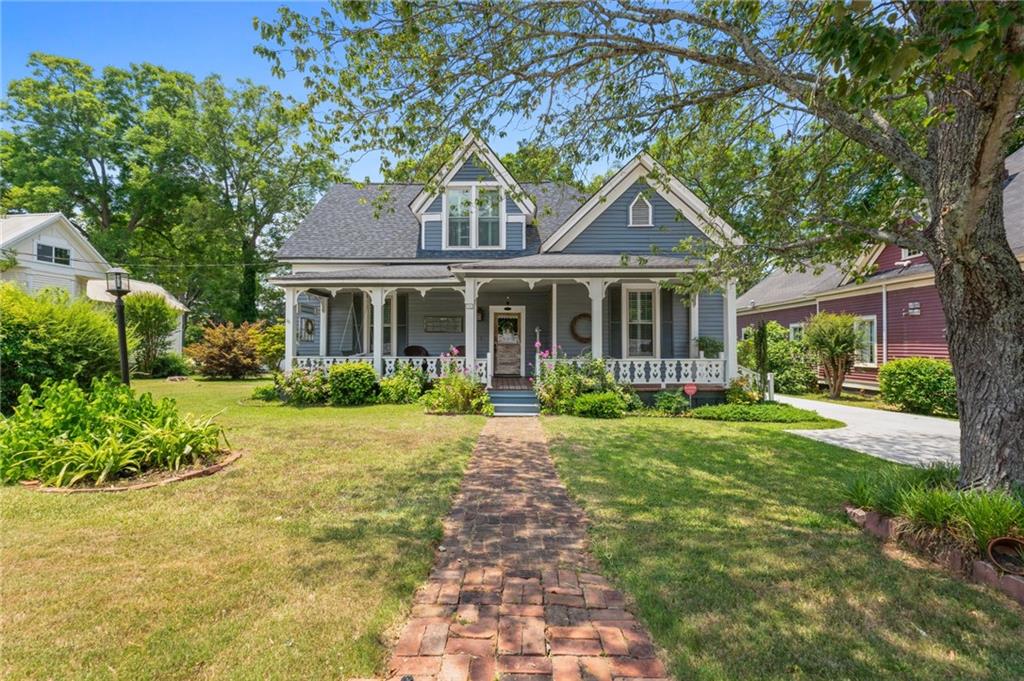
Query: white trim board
[512,309]
[472,144]
[667,186]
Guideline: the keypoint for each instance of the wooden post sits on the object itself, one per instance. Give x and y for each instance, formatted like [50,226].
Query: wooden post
[289,325]
[731,359]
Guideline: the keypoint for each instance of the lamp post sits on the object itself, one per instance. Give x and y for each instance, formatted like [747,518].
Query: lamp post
[118,285]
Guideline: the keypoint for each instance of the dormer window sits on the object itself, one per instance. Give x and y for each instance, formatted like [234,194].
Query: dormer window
[474,217]
[640,212]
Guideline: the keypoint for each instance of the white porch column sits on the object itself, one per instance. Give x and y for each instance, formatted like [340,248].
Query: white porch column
[469,294]
[289,325]
[694,324]
[732,367]
[323,326]
[554,319]
[595,287]
[377,296]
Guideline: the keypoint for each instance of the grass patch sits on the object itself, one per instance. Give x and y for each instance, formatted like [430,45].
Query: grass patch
[296,562]
[731,540]
[865,400]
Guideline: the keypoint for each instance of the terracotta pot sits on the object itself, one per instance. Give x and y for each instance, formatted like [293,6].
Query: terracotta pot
[1003,550]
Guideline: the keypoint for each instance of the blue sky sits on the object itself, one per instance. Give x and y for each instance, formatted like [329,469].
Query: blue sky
[198,37]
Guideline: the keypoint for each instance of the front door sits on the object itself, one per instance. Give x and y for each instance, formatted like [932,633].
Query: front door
[508,346]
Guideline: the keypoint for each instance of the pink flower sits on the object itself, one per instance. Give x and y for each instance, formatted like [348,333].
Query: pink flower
[537,345]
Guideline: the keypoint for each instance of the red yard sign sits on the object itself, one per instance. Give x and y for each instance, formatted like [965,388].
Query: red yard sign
[690,389]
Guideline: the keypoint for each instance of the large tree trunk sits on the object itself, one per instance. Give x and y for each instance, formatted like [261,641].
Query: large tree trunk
[981,286]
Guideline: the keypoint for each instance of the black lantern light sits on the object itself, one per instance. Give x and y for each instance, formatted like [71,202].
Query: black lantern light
[119,285]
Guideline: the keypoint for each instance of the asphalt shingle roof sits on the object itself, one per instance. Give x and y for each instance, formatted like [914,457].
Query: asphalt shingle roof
[780,287]
[374,221]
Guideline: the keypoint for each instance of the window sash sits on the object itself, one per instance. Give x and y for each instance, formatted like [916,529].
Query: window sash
[489,218]
[867,353]
[640,324]
[57,255]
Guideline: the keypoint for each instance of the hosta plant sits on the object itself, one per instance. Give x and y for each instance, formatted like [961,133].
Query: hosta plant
[65,435]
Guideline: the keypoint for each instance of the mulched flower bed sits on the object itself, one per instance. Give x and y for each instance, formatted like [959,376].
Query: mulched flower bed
[147,480]
[939,550]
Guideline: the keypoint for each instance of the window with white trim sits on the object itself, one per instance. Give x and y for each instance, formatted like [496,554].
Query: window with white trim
[796,331]
[58,255]
[867,330]
[907,254]
[641,322]
[641,212]
[473,217]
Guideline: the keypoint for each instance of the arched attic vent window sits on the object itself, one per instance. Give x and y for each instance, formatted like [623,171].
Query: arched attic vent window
[640,212]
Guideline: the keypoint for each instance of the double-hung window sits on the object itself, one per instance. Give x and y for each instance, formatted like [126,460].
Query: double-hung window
[55,254]
[460,209]
[488,218]
[640,322]
[796,331]
[474,217]
[867,332]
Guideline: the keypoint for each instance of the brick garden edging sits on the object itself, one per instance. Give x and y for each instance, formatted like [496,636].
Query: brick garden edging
[199,473]
[977,571]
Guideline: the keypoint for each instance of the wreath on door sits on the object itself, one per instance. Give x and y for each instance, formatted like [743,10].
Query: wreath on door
[574,330]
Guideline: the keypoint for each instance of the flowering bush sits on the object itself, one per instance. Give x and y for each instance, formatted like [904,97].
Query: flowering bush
[740,391]
[457,393]
[558,387]
[301,387]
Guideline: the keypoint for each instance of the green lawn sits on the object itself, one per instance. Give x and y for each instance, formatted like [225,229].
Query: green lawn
[866,400]
[296,562]
[731,540]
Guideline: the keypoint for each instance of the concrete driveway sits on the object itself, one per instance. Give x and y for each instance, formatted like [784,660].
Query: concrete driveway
[904,438]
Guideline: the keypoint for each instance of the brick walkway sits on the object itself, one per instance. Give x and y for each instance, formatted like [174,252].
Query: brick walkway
[514,594]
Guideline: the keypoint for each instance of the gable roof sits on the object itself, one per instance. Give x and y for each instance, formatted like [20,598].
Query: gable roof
[375,222]
[17,227]
[781,287]
[669,187]
[471,146]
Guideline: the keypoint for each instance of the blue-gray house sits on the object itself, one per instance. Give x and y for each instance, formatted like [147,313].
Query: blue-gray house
[476,261]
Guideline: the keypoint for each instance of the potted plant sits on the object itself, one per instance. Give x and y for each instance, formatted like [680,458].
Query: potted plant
[710,347]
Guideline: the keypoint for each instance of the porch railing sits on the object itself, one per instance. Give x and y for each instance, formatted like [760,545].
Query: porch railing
[434,367]
[656,371]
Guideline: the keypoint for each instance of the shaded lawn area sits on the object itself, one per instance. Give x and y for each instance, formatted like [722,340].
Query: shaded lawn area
[298,561]
[732,541]
[866,400]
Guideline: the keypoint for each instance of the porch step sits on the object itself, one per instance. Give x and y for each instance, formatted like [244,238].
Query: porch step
[514,402]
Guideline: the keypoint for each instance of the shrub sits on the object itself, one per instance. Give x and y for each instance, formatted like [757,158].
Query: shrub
[65,435]
[767,412]
[834,341]
[924,507]
[226,351]
[51,336]
[710,346]
[302,387]
[741,392]
[456,393]
[405,387]
[152,320]
[170,364]
[557,388]
[266,393]
[919,384]
[604,405]
[269,340]
[671,401]
[351,384]
[789,360]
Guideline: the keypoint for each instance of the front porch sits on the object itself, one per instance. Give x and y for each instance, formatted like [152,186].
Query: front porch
[501,329]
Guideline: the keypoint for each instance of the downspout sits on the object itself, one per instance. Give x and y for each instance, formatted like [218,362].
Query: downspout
[885,325]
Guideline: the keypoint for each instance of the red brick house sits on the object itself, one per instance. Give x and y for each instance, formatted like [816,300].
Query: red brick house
[898,304]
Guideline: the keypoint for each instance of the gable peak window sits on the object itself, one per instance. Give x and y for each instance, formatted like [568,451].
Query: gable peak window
[58,255]
[474,217]
[641,212]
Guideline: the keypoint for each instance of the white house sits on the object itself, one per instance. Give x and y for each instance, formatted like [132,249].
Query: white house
[44,250]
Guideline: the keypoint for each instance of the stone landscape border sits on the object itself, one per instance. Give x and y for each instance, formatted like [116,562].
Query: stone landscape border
[189,475]
[977,571]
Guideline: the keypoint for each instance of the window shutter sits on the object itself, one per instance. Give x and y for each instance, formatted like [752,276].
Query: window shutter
[613,343]
[666,322]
